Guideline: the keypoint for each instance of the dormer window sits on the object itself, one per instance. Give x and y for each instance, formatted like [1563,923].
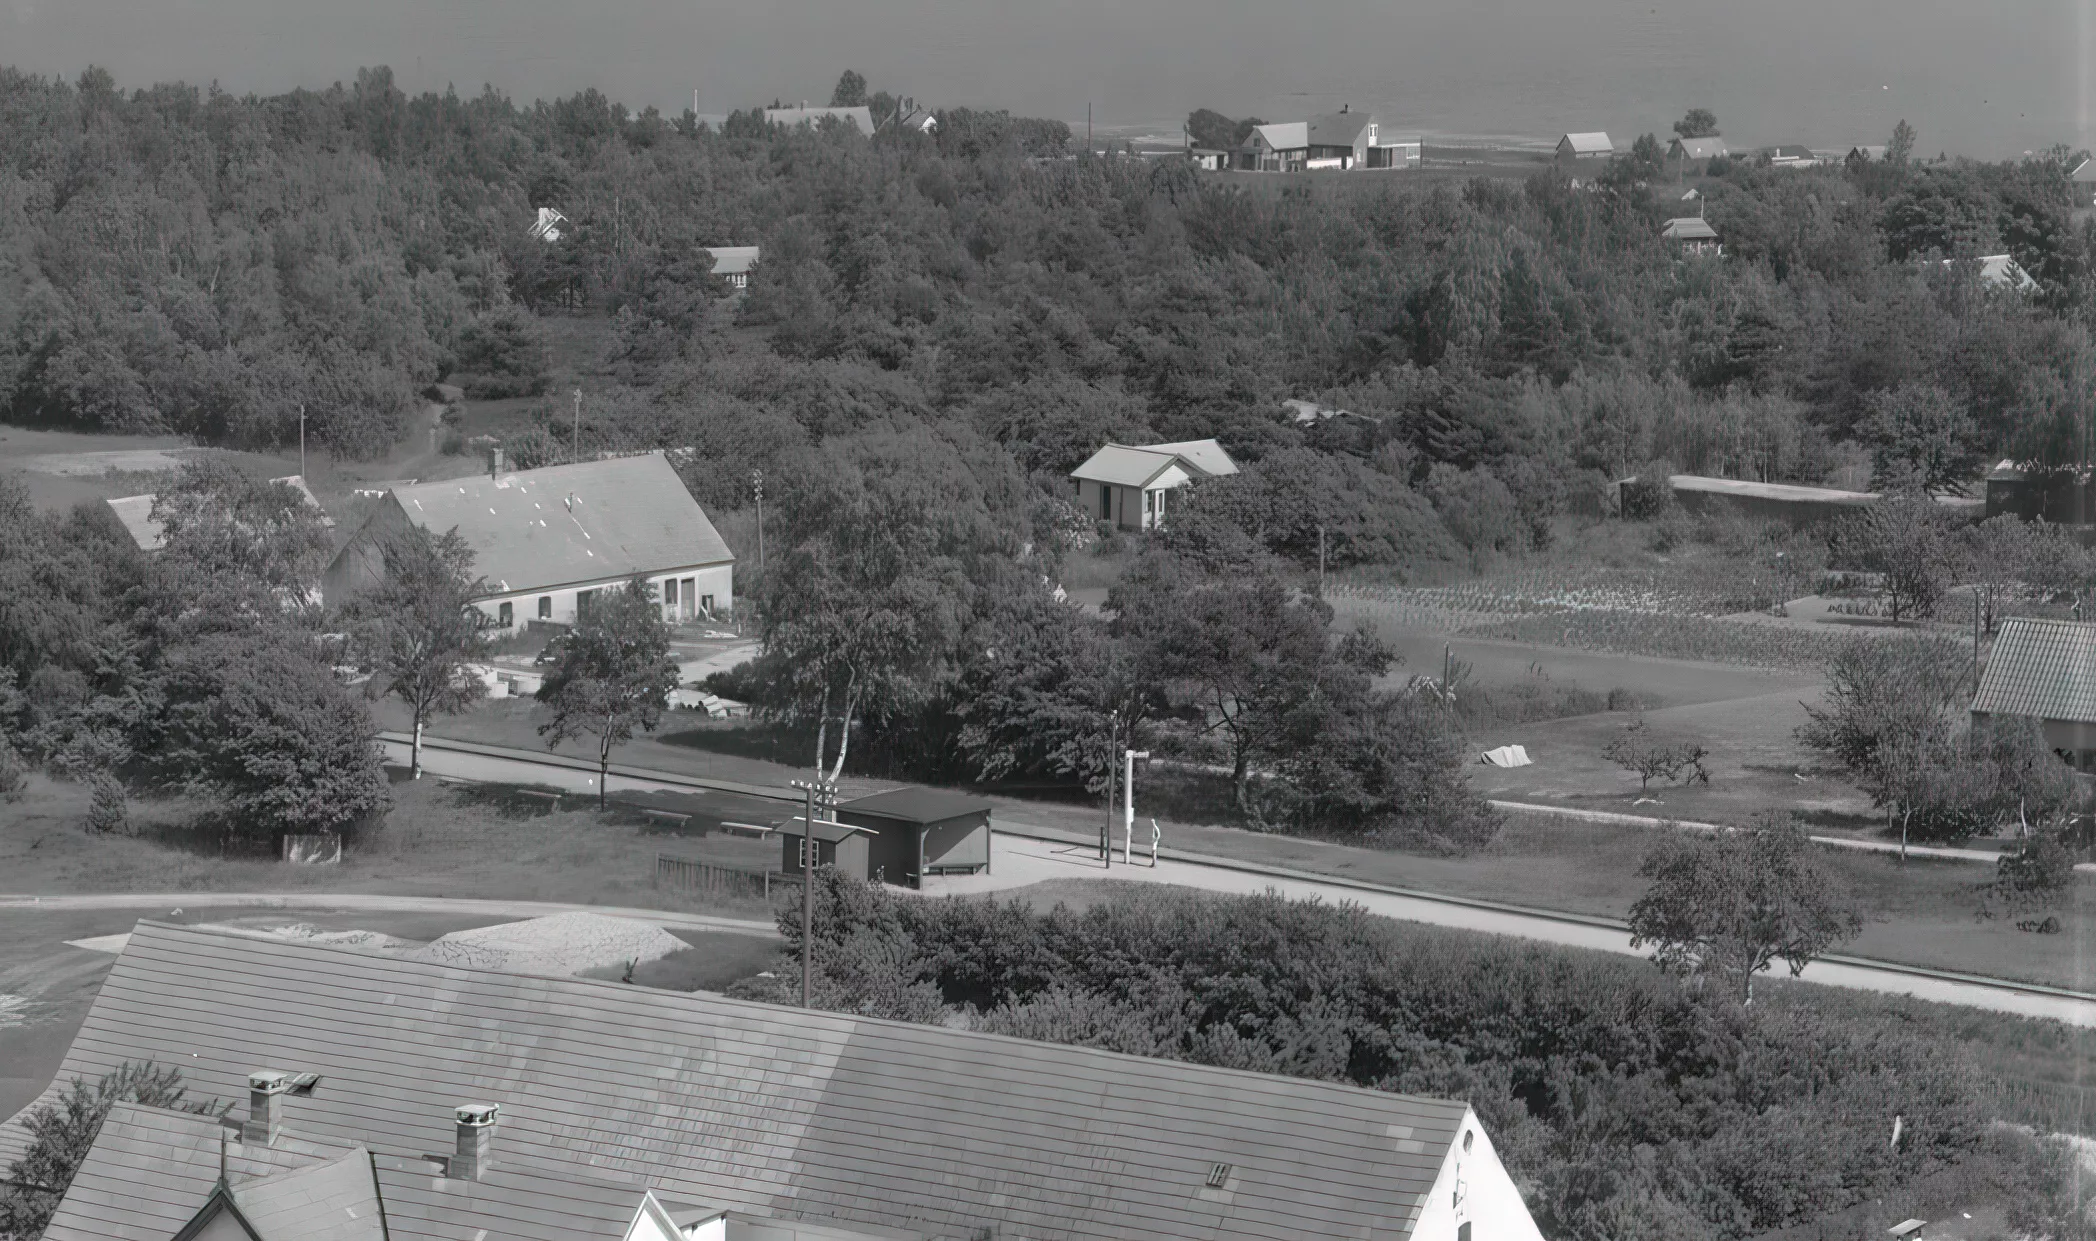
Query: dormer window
[1371,133]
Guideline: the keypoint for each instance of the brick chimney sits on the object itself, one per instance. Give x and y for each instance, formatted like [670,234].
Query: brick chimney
[265,1106]
[476,1141]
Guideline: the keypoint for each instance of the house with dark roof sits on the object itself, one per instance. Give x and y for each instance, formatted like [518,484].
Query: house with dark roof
[550,539]
[2045,670]
[1695,154]
[1126,485]
[1344,140]
[1693,234]
[1791,155]
[530,1108]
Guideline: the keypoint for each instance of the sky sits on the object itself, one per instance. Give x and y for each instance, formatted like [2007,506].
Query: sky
[1988,78]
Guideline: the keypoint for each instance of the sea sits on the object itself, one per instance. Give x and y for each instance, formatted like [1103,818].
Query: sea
[1986,79]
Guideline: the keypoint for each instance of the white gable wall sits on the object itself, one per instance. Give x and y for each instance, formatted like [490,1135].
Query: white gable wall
[1473,1188]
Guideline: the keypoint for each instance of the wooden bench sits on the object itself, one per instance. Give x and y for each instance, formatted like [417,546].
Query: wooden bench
[550,796]
[671,817]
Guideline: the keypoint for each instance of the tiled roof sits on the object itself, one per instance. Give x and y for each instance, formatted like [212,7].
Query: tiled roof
[1595,143]
[1206,456]
[151,1170]
[1123,466]
[536,529]
[1338,129]
[1700,148]
[1689,228]
[330,1200]
[2045,669]
[1285,135]
[753,1107]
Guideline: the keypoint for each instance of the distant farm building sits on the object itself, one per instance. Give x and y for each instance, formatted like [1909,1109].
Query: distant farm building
[2000,271]
[1576,151]
[549,540]
[1343,140]
[136,513]
[2045,670]
[860,119]
[1127,485]
[912,119]
[2061,497]
[897,837]
[1792,155]
[1866,155]
[1693,234]
[1208,159]
[733,263]
[1695,154]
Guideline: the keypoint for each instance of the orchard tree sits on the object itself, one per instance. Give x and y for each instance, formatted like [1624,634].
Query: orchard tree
[1920,440]
[1731,905]
[1905,540]
[1883,692]
[614,674]
[420,628]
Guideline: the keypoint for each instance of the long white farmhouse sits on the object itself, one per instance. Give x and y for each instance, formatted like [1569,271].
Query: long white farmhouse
[547,540]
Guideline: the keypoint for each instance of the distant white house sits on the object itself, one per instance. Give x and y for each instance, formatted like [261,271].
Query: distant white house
[548,226]
[910,117]
[733,263]
[2000,271]
[1127,485]
[860,119]
[1577,150]
[551,539]
[136,513]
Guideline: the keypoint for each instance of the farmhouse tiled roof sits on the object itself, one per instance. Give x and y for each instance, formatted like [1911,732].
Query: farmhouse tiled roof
[752,1107]
[591,521]
[2044,669]
[1595,143]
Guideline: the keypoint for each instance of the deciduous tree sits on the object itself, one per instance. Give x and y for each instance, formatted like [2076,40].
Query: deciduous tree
[420,630]
[1729,906]
[614,675]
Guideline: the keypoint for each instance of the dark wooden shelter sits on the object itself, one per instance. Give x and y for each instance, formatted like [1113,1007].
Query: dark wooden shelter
[914,832]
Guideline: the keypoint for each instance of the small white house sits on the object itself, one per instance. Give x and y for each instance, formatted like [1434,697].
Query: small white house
[733,263]
[549,540]
[1127,485]
[1693,234]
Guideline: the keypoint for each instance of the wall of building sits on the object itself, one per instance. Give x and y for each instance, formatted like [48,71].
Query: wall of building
[1127,501]
[715,580]
[1473,1189]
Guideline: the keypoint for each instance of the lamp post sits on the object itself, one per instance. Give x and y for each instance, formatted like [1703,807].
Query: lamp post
[575,444]
[757,483]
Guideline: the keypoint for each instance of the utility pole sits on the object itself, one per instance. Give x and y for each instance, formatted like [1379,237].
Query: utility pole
[1088,128]
[757,482]
[1128,804]
[302,442]
[575,447]
[1320,560]
[823,793]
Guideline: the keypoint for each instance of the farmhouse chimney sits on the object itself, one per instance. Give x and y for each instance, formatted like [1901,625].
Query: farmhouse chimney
[265,1106]
[495,461]
[476,1141]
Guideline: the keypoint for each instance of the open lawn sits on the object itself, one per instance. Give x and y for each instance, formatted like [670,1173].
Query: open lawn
[438,841]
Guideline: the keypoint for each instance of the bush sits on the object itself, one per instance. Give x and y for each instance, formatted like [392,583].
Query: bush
[1625,1106]
[14,774]
[107,810]
[2029,881]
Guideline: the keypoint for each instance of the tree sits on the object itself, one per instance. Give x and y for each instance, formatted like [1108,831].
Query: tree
[1883,692]
[2031,880]
[1902,144]
[1731,905]
[238,544]
[107,811]
[1905,540]
[1385,764]
[420,628]
[1637,750]
[614,675]
[1699,123]
[850,91]
[63,1131]
[1920,440]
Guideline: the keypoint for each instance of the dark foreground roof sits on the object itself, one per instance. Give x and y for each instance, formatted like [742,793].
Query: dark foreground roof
[916,805]
[2045,669]
[755,1107]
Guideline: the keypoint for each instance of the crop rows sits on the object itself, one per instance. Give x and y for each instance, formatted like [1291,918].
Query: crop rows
[1626,632]
[1684,590]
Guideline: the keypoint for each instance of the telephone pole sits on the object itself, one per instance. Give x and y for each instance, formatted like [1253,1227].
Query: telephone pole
[575,447]
[1113,737]
[757,482]
[302,442]
[819,793]
[1128,803]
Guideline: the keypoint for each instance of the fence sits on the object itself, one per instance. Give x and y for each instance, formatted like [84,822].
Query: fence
[2048,1107]
[719,880]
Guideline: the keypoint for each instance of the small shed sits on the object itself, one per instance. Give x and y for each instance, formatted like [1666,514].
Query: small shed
[2045,670]
[917,832]
[846,848]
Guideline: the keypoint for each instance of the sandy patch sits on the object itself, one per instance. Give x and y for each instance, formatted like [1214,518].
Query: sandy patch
[567,943]
[103,943]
